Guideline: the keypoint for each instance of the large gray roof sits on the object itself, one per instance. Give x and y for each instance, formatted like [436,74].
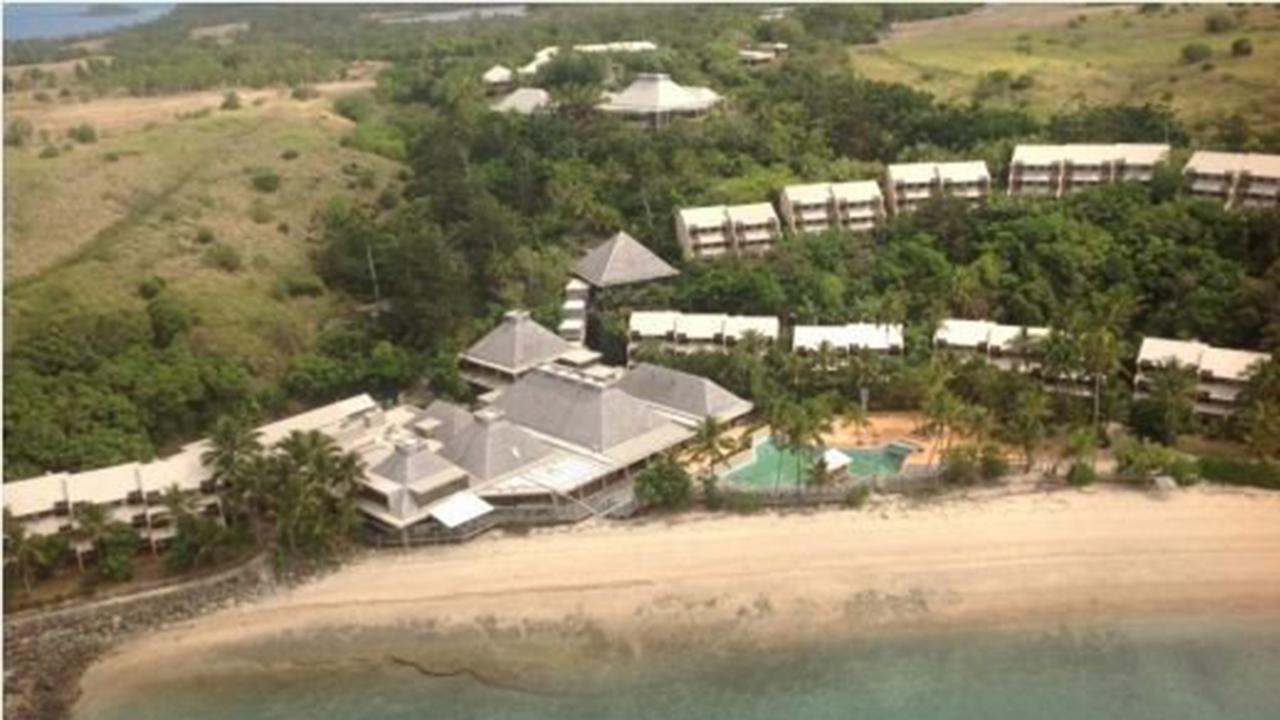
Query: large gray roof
[517,345]
[451,416]
[687,393]
[594,415]
[488,447]
[621,260]
[412,465]
[656,92]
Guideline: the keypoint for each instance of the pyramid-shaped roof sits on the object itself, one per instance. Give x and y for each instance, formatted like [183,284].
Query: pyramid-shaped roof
[621,260]
[410,466]
[655,93]
[517,345]
[490,446]
[682,391]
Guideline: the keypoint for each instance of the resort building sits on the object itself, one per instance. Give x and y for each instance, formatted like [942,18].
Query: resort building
[756,58]
[510,350]
[654,99]
[540,58]
[547,54]
[621,260]
[497,78]
[817,207]
[696,332]
[910,184]
[524,101]
[1009,347]
[573,313]
[750,229]
[1248,180]
[1221,373]
[1055,170]
[845,339]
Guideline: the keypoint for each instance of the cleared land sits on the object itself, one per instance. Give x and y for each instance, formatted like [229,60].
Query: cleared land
[715,583]
[83,229]
[1088,55]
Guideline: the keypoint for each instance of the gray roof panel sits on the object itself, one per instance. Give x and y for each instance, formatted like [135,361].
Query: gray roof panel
[622,260]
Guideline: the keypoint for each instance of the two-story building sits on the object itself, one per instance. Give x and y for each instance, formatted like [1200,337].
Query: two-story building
[907,185]
[1055,170]
[817,207]
[696,332]
[1221,373]
[708,232]
[1249,180]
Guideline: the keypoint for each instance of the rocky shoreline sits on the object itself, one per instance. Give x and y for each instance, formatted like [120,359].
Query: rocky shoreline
[46,652]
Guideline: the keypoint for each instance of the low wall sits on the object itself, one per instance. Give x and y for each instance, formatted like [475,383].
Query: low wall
[45,652]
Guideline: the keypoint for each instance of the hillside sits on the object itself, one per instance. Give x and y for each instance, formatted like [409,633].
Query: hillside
[1078,55]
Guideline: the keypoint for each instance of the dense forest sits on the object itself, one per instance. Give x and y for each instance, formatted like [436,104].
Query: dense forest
[495,208]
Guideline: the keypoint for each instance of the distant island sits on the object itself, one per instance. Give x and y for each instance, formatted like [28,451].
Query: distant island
[109,10]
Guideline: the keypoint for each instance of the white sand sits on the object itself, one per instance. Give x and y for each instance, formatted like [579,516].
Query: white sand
[991,558]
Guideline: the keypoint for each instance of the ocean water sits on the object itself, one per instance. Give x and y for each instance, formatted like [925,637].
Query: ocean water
[1174,669]
[23,21]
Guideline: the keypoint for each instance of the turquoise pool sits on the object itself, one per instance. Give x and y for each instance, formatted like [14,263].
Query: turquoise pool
[774,466]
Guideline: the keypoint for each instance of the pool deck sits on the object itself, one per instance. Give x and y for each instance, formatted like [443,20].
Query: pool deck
[883,428]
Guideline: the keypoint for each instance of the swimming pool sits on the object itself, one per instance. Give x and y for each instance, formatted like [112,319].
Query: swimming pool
[774,466]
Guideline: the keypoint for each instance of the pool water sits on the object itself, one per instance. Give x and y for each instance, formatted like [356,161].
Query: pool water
[784,468]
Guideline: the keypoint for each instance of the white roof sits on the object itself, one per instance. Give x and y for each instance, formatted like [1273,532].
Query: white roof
[867,336]
[325,417]
[700,326]
[925,172]
[1161,350]
[751,213]
[963,333]
[808,193]
[622,46]
[912,173]
[525,101]
[1203,161]
[704,217]
[459,508]
[655,93]
[104,485]
[757,54]
[856,191]
[834,459]
[1004,336]
[736,326]
[1084,154]
[497,74]
[36,495]
[562,473]
[652,323]
[185,469]
[540,58]
[1230,364]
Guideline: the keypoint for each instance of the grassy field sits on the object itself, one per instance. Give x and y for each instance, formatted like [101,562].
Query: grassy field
[83,229]
[1077,55]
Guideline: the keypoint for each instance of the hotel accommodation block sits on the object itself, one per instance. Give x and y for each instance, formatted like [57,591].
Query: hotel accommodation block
[908,185]
[849,338]
[696,332]
[1008,347]
[816,207]
[705,232]
[1247,180]
[1055,170]
[1221,373]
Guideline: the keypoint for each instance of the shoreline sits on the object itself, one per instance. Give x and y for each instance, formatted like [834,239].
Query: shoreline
[513,609]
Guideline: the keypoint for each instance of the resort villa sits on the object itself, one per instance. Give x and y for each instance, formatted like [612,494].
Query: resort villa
[621,260]
[907,185]
[497,78]
[654,99]
[696,332]
[848,339]
[1008,347]
[524,101]
[1221,373]
[1055,170]
[515,347]
[705,232]
[817,207]
[1246,180]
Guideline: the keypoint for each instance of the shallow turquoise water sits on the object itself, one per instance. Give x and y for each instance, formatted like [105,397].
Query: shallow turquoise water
[1185,669]
[765,472]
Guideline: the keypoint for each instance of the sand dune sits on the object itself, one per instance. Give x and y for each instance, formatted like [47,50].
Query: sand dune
[988,558]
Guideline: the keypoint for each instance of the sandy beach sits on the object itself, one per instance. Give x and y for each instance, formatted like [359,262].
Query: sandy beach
[627,589]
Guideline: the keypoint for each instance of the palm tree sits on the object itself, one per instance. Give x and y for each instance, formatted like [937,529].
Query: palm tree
[235,459]
[710,443]
[1027,425]
[819,474]
[24,552]
[1100,353]
[94,526]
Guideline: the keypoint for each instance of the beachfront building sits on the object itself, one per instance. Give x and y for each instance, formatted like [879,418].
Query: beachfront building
[706,232]
[1221,372]
[1009,347]
[844,340]
[817,207]
[524,101]
[696,332]
[498,78]
[510,350]
[654,100]
[1055,170]
[621,260]
[907,185]
[1250,180]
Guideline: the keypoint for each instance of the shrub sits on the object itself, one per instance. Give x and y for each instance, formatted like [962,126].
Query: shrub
[118,549]
[223,257]
[204,236]
[150,287]
[1242,48]
[961,466]
[1196,52]
[993,463]
[231,101]
[259,212]
[169,318]
[388,198]
[356,107]
[41,96]
[1081,475]
[265,181]
[858,496]
[83,134]
[1184,471]
[49,151]
[301,285]
[282,228]
[1022,82]
[1143,459]
[711,495]
[1219,22]
[1207,67]
[1236,471]
[743,503]
[289,154]
[303,92]
[664,484]
[19,132]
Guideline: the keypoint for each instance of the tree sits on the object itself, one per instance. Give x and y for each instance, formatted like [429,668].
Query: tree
[312,489]
[1193,53]
[664,484]
[22,551]
[114,543]
[236,463]
[711,444]
[231,100]
[1168,409]
[819,474]
[1027,426]
[199,540]
[1242,47]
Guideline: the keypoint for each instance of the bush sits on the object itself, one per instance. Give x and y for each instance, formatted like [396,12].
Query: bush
[1242,48]
[204,236]
[1236,471]
[231,101]
[356,107]
[1143,459]
[1081,475]
[150,287]
[1022,82]
[961,466]
[49,151]
[83,134]
[711,495]
[169,318]
[664,484]
[265,181]
[19,132]
[289,154]
[993,463]
[1196,52]
[858,496]
[743,503]
[301,285]
[303,92]
[1219,22]
[259,212]
[116,563]
[282,228]
[1184,471]
[223,257]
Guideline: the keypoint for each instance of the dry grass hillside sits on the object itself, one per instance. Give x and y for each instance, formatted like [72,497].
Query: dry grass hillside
[1098,54]
[175,199]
